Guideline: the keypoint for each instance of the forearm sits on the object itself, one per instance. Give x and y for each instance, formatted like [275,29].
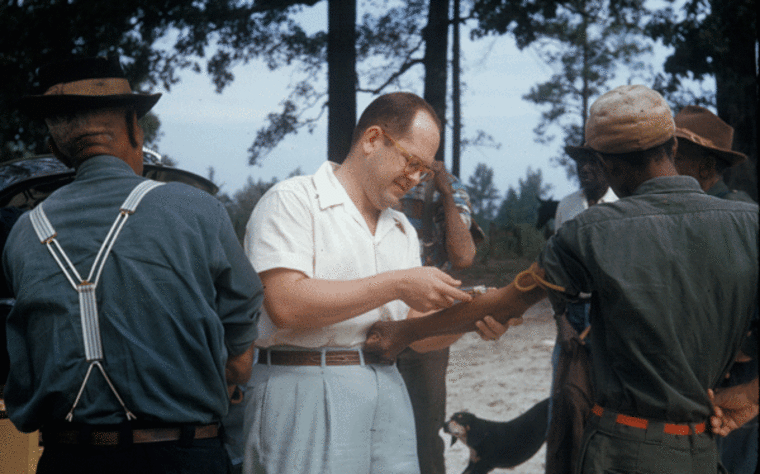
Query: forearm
[431,343]
[752,391]
[502,304]
[309,303]
[459,244]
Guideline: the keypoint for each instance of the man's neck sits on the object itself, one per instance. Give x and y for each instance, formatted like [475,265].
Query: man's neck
[349,177]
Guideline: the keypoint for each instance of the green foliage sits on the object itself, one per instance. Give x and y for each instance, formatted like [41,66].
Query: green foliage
[521,206]
[388,44]
[585,41]
[483,193]
[33,33]
[241,204]
[150,125]
[510,242]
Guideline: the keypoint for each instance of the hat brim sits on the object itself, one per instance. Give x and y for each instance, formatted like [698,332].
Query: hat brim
[580,152]
[42,106]
[732,157]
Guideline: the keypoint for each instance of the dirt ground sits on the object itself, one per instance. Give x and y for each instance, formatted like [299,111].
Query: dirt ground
[502,379]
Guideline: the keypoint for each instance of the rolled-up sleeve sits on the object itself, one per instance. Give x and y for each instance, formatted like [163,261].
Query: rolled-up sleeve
[562,264]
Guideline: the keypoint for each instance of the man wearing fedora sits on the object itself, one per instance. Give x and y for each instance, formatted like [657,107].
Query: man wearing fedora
[704,153]
[663,265]
[135,304]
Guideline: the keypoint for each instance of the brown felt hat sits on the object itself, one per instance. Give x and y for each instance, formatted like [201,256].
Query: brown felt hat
[705,129]
[83,84]
[626,119]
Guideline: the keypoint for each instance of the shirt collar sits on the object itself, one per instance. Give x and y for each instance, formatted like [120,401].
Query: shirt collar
[719,189]
[609,196]
[95,166]
[330,192]
[669,184]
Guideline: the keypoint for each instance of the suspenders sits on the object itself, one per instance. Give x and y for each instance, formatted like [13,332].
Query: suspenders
[88,307]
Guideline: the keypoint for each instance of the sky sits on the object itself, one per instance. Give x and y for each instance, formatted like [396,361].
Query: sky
[202,129]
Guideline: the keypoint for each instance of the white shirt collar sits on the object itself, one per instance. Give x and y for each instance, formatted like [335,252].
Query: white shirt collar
[330,192]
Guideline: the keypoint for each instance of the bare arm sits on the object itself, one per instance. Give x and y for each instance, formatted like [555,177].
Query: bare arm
[294,300]
[459,244]
[390,338]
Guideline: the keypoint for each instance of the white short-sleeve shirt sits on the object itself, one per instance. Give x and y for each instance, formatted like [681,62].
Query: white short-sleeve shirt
[309,224]
[575,203]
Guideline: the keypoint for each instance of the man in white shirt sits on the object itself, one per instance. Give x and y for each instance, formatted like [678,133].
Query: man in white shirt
[562,437]
[594,188]
[334,258]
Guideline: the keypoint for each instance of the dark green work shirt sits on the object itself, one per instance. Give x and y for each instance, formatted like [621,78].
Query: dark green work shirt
[722,191]
[177,296]
[664,268]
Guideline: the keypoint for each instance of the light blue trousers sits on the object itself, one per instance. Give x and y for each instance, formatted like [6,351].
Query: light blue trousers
[328,420]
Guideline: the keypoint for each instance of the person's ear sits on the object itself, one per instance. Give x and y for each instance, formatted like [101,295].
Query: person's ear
[372,139]
[138,131]
[58,153]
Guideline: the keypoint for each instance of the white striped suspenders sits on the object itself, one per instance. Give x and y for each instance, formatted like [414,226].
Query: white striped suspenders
[88,307]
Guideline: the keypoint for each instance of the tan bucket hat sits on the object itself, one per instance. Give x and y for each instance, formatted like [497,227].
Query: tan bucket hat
[703,128]
[626,119]
[81,84]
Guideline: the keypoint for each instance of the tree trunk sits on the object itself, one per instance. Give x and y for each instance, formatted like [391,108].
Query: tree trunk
[736,91]
[436,43]
[341,77]
[456,133]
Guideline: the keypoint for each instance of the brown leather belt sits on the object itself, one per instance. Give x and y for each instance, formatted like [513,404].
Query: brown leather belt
[643,423]
[276,357]
[139,435]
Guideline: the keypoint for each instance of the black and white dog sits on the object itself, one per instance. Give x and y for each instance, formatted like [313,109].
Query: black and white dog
[502,444]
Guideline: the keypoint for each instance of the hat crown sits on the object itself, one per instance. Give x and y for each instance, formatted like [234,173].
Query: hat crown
[706,125]
[703,128]
[629,118]
[77,70]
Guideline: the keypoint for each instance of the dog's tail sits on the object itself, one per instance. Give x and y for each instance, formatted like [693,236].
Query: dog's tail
[528,431]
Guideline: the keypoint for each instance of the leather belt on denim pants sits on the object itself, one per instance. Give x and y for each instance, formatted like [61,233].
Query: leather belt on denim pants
[275,357]
[643,423]
[94,437]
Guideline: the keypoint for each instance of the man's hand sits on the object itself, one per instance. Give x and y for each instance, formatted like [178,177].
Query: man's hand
[428,288]
[441,178]
[733,406]
[387,339]
[491,330]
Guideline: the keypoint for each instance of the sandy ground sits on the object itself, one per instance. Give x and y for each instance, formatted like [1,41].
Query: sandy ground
[500,380]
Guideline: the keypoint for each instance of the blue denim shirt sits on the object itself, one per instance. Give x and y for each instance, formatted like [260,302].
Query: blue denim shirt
[176,297]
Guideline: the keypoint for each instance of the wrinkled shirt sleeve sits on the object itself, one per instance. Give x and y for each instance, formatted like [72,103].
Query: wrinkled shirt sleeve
[563,266]
[239,291]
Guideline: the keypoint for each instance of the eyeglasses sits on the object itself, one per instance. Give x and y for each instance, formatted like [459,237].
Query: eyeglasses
[413,164]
